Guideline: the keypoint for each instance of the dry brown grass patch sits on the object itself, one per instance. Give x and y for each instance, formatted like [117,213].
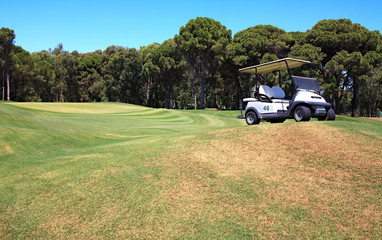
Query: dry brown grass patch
[61,224]
[5,149]
[308,165]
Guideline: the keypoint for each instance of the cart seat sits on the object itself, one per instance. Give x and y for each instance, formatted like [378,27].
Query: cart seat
[265,90]
[277,92]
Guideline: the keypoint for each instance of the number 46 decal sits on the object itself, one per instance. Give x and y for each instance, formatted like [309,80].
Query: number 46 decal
[266,108]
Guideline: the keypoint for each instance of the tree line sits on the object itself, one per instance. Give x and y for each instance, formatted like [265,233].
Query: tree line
[198,68]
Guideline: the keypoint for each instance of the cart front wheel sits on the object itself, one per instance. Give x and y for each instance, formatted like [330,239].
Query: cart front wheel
[251,118]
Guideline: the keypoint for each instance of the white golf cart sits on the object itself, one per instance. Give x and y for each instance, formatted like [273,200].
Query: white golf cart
[269,103]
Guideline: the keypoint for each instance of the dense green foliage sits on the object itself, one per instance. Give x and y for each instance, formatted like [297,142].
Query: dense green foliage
[198,68]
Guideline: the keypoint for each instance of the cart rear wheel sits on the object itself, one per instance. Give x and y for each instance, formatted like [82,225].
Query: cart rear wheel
[302,113]
[331,115]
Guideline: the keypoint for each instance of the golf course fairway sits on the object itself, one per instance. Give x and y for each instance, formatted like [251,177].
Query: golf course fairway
[121,171]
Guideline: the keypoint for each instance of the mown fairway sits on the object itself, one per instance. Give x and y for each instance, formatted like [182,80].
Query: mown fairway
[108,170]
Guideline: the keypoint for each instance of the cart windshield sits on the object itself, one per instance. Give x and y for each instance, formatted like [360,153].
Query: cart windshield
[305,83]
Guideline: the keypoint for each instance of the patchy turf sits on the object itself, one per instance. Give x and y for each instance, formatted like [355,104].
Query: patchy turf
[318,183]
[123,171]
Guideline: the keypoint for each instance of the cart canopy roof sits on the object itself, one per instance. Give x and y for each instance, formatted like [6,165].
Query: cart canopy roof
[281,64]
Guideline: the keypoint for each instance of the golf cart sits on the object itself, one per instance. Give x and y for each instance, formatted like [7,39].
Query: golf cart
[269,103]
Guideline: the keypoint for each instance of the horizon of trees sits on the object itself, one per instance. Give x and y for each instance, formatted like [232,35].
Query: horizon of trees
[198,68]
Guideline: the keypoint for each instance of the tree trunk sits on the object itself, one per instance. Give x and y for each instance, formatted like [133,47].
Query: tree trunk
[213,93]
[169,92]
[354,101]
[337,101]
[3,76]
[375,104]
[61,96]
[7,69]
[202,92]
[370,108]
[171,95]
[167,95]
[8,88]
[195,103]
[239,92]
[341,94]
[148,89]
[336,94]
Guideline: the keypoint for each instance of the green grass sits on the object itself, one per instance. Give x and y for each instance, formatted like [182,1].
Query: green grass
[109,170]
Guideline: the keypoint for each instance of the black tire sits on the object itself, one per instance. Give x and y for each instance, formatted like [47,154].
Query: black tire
[277,120]
[251,118]
[302,113]
[322,118]
[330,116]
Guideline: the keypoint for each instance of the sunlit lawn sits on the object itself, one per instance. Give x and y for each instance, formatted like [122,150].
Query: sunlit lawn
[108,170]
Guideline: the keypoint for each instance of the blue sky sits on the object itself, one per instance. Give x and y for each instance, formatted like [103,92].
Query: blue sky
[87,26]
